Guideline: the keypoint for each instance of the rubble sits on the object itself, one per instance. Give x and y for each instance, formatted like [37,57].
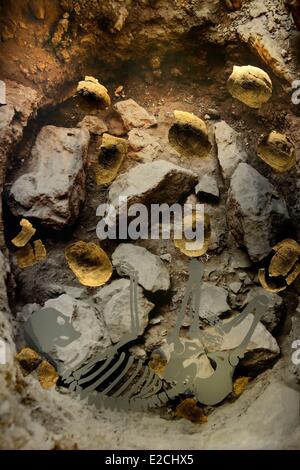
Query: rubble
[93,124]
[273,314]
[261,349]
[207,190]
[255,211]
[144,145]
[156,182]
[133,115]
[91,333]
[52,188]
[152,274]
[113,302]
[230,149]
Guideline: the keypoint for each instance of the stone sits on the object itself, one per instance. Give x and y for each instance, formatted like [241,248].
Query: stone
[213,301]
[93,336]
[267,46]
[156,182]
[133,115]
[255,212]
[22,103]
[261,349]
[143,144]
[239,259]
[166,257]
[152,274]
[93,124]
[207,189]
[257,9]
[60,31]
[273,314]
[229,148]
[2,93]
[235,286]
[113,302]
[52,188]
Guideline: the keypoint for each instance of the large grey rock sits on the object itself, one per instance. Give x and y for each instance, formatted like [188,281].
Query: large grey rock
[53,188]
[255,212]
[272,316]
[153,275]
[85,320]
[261,348]
[133,115]
[207,189]
[230,148]
[156,182]
[113,302]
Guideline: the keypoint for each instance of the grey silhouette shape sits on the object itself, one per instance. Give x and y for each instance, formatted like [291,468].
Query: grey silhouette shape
[116,380]
[47,328]
[214,389]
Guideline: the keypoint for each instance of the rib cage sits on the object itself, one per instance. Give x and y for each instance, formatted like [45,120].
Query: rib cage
[121,382]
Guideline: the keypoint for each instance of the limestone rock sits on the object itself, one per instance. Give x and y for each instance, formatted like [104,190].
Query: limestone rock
[21,105]
[156,182]
[93,124]
[113,301]
[230,148]
[207,189]
[272,316]
[268,46]
[143,144]
[235,287]
[93,336]
[261,348]
[133,115]
[152,274]
[213,300]
[52,189]
[255,211]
